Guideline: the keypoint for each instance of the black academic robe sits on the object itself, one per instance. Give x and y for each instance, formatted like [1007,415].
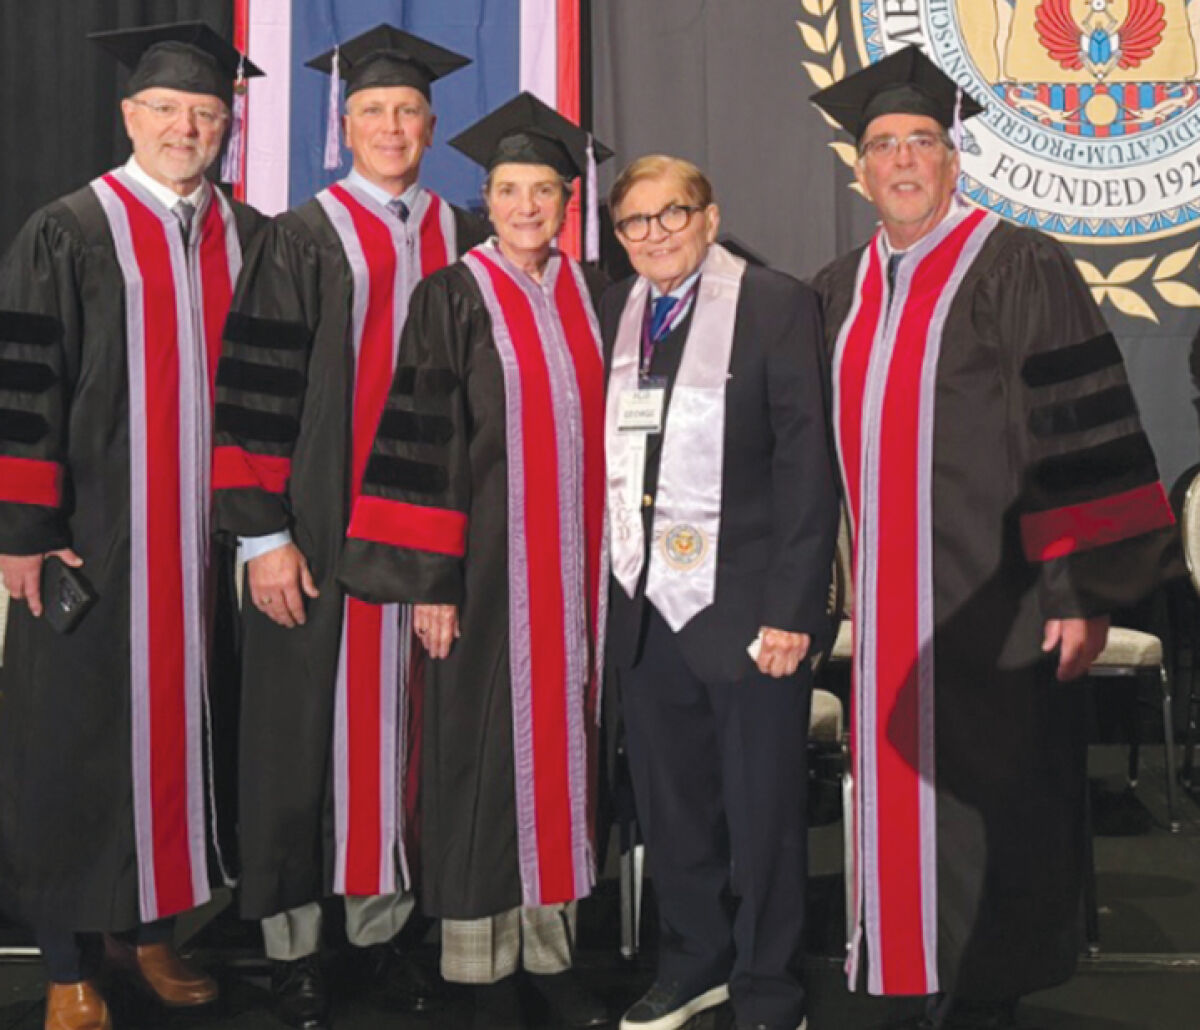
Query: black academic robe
[1033,413]
[449,366]
[66,797]
[292,312]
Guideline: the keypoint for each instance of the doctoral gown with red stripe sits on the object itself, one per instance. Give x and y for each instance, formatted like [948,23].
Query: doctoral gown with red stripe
[1045,503]
[451,459]
[66,795]
[285,395]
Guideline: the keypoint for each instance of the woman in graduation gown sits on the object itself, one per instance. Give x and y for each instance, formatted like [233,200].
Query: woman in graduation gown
[483,506]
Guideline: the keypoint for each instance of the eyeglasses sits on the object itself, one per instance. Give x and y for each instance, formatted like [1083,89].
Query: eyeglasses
[671,219]
[168,111]
[921,143]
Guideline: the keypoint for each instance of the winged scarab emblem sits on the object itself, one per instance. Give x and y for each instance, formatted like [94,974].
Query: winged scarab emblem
[1098,42]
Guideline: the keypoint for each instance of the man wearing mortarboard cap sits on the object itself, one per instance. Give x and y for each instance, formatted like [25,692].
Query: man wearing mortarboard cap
[111,305]
[310,345]
[482,505]
[1003,500]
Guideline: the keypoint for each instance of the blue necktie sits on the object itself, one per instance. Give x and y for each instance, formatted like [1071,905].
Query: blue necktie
[659,327]
[397,207]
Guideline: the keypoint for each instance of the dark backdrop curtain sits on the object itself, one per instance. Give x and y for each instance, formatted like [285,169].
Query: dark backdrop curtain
[722,83]
[59,118]
[717,81]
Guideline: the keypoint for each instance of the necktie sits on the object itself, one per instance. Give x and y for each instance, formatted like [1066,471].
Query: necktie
[397,207]
[893,265]
[185,212]
[659,311]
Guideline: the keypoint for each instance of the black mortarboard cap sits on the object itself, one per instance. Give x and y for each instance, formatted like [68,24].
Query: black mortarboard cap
[387,56]
[527,131]
[907,82]
[185,55]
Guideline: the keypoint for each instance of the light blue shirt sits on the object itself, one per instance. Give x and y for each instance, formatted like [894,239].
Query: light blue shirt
[378,193]
[679,291]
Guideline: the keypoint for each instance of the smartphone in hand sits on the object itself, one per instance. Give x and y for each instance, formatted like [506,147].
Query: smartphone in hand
[67,596]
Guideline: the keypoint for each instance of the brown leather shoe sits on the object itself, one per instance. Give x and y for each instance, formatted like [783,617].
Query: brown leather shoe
[76,1006]
[173,981]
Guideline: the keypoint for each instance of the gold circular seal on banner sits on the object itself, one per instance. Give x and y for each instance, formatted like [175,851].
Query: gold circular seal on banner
[684,546]
[1091,127]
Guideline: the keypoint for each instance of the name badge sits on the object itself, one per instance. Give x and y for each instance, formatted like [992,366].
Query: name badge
[641,411]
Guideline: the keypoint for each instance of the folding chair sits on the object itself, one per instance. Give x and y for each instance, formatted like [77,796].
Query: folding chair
[1189,525]
[1137,655]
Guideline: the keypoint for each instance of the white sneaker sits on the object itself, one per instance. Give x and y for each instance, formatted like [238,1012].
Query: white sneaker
[667,1006]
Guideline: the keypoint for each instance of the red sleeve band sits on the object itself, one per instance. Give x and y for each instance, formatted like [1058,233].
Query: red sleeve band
[411,526]
[1106,520]
[236,469]
[26,481]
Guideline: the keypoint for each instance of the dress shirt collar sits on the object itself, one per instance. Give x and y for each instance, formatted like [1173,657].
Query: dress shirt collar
[679,290]
[164,194]
[378,193]
[889,251]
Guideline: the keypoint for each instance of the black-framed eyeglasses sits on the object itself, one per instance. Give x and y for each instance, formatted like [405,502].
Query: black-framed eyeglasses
[671,219]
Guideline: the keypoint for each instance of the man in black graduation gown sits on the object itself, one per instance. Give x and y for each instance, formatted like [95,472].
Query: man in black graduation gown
[723,516]
[111,305]
[309,351]
[1003,500]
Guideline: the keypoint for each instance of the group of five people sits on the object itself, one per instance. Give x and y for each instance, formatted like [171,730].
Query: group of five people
[432,445]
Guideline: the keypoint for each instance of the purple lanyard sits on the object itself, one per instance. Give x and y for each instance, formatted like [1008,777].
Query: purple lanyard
[678,309]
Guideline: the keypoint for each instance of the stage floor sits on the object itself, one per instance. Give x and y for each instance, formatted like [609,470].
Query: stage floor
[1147,976]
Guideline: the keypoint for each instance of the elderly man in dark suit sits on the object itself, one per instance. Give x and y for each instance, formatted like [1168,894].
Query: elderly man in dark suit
[723,512]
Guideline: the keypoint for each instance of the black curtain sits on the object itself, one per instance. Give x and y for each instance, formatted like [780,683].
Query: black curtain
[722,84]
[59,116]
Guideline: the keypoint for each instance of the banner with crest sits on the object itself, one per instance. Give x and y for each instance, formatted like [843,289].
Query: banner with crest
[1091,134]
[1092,125]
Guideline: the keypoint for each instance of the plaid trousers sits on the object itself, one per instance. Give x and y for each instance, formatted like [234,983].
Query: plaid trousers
[482,951]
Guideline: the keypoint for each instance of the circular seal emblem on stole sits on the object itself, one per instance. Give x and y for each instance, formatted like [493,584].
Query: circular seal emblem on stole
[1092,124]
[683,546]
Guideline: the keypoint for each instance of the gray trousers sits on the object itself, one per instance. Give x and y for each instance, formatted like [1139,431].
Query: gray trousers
[296,932]
[482,951]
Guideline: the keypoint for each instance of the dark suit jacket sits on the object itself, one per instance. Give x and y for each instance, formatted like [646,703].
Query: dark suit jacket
[779,499]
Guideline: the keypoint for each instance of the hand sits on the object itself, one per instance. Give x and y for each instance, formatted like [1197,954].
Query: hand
[781,652]
[1079,642]
[436,626]
[277,579]
[22,575]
